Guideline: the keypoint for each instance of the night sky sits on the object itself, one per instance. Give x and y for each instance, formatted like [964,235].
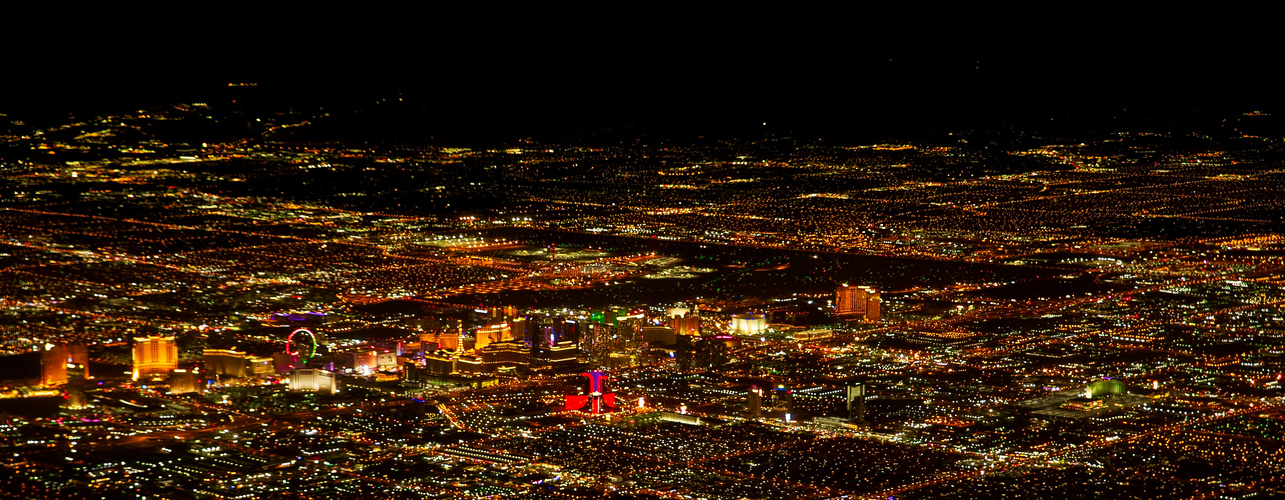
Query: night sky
[820,75]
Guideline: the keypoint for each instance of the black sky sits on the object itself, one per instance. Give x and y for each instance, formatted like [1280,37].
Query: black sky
[827,75]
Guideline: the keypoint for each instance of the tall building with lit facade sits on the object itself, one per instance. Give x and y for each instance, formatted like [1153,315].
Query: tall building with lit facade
[444,340]
[663,334]
[524,329]
[185,382]
[749,323]
[558,343]
[154,356]
[261,366]
[560,331]
[505,355]
[228,362]
[469,365]
[387,361]
[849,300]
[361,360]
[872,304]
[487,335]
[55,359]
[233,363]
[560,353]
[856,395]
[687,324]
[440,362]
[76,374]
[754,402]
[312,380]
[860,301]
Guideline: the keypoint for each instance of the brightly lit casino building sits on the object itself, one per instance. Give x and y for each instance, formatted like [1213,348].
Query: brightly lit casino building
[55,359]
[749,323]
[860,301]
[154,356]
[312,380]
[233,363]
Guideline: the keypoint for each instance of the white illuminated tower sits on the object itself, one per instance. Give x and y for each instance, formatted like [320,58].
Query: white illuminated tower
[749,323]
[312,380]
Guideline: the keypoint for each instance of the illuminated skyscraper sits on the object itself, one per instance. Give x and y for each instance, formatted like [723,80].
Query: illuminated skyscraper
[505,355]
[225,362]
[487,335]
[440,362]
[662,334]
[559,343]
[154,356]
[755,402]
[184,382]
[849,300]
[75,385]
[260,366]
[361,360]
[234,363]
[55,359]
[860,301]
[688,324]
[872,304]
[446,340]
[560,331]
[561,353]
[749,323]
[312,380]
[525,329]
[856,402]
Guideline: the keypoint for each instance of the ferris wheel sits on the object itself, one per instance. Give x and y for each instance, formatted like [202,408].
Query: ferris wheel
[302,343]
